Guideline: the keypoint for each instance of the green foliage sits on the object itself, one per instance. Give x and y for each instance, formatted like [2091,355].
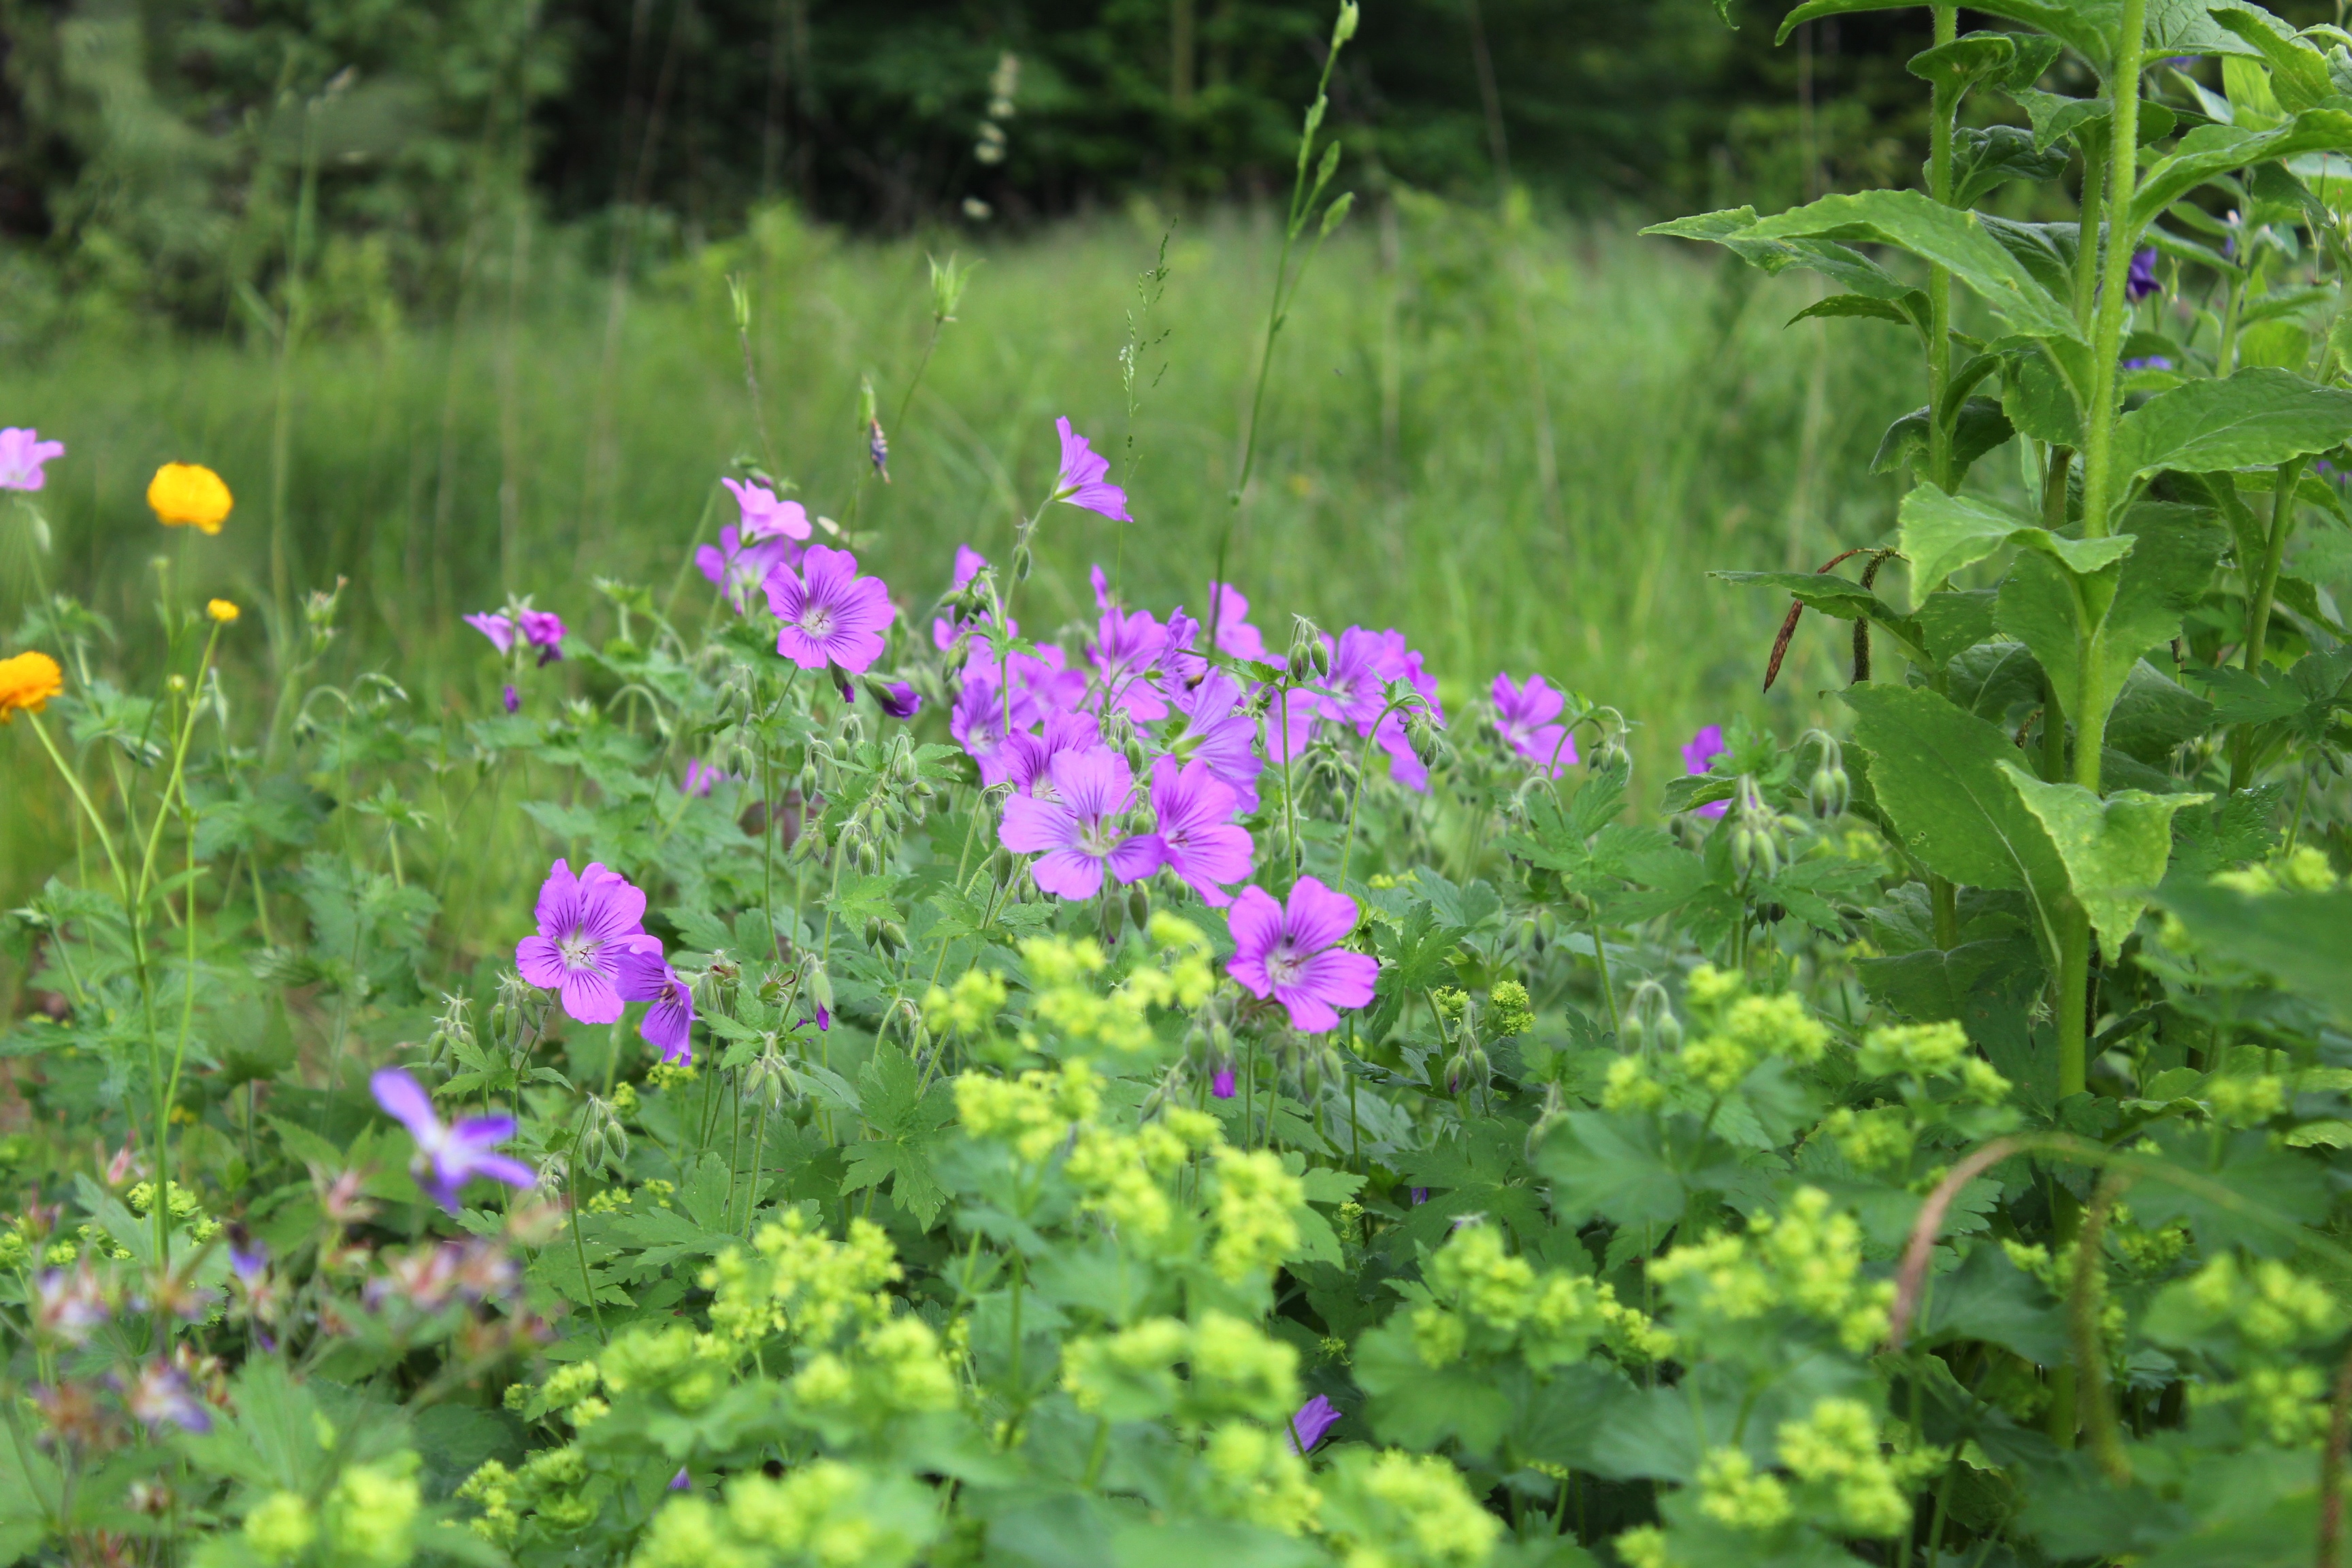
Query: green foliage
[1827,1156]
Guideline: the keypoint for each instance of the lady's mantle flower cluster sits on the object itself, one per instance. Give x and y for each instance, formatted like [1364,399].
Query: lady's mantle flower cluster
[1487,1301]
[1807,1260]
[826,1514]
[1126,1179]
[1735,1033]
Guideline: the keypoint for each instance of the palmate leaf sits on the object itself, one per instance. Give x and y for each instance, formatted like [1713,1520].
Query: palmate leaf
[908,1119]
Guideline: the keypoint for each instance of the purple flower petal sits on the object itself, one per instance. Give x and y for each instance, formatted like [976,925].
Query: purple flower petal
[1315,1419]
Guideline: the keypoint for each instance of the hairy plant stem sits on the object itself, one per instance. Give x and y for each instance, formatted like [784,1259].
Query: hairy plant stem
[1939,279]
[2258,609]
[2089,701]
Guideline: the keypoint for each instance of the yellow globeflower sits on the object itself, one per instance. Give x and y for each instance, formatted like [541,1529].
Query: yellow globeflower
[189,495]
[222,611]
[27,681]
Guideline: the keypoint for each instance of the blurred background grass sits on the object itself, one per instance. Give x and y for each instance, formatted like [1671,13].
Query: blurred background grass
[1524,443]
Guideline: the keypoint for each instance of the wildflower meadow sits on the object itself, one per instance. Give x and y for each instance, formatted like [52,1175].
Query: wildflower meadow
[961,1082]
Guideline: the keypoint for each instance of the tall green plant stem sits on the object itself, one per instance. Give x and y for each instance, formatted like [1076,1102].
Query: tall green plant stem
[2088,702]
[1939,279]
[2258,610]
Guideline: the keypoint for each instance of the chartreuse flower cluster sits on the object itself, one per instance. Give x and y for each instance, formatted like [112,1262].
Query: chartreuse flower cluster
[1129,1178]
[828,1514]
[1938,1079]
[1804,1261]
[1734,1033]
[368,1518]
[1484,1302]
[2251,1318]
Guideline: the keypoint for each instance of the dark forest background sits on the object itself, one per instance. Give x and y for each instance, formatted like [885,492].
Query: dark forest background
[166,156]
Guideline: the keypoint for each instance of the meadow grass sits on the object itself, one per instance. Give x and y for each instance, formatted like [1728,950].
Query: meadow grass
[1524,444]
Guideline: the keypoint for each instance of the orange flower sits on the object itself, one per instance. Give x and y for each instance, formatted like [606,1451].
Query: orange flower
[189,495]
[27,681]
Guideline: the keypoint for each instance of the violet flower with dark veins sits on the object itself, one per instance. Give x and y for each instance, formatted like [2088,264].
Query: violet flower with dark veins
[1081,482]
[830,615]
[1524,715]
[586,924]
[1197,838]
[1076,835]
[1293,953]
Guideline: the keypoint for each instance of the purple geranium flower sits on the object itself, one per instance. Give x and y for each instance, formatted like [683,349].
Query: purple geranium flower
[2141,282]
[2153,362]
[1075,833]
[669,1024]
[1314,1418]
[765,517]
[1029,758]
[899,700]
[543,629]
[700,778]
[1124,652]
[1698,757]
[1292,955]
[22,453]
[1221,1086]
[830,613]
[586,925]
[495,627]
[1420,1195]
[737,566]
[1524,715]
[448,1157]
[1197,838]
[510,699]
[163,1396]
[1081,482]
[977,722]
[1236,638]
[1215,729]
[681,1481]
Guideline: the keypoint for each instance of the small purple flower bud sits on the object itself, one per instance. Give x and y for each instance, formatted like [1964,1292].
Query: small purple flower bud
[1221,1086]
[512,699]
[681,1482]
[1315,1419]
[2142,282]
[1420,1195]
